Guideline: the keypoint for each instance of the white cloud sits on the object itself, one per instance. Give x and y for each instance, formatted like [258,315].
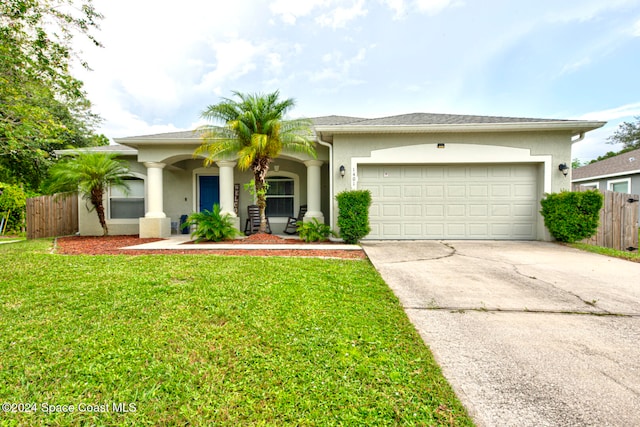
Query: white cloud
[233,59]
[341,16]
[337,67]
[574,66]
[635,30]
[627,111]
[433,7]
[399,7]
[290,10]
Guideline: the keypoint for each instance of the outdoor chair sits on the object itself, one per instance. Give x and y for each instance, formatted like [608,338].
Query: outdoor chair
[292,223]
[252,225]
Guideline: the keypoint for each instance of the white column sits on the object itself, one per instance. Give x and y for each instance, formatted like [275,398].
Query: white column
[226,187]
[155,222]
[155,208]
[314,190]
[226,190]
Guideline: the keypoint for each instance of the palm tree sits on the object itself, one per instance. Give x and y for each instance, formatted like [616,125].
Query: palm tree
[254,130]
[90,174]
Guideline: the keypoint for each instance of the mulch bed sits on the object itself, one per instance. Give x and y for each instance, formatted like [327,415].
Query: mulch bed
[111,245]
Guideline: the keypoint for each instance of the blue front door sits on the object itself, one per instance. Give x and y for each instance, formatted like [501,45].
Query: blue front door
[209,192]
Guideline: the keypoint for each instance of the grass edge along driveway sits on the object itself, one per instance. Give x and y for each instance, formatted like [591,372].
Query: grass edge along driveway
[205,339]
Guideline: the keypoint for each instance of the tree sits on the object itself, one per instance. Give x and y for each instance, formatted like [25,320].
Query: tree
[255,132]
[576,163]
[627,134]
[42,106]
[90,174]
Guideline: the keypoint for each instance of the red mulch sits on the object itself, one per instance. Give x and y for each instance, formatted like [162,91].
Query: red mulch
[110,245]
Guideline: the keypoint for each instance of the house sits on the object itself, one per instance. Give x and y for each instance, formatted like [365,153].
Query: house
[432,176]
[620,173]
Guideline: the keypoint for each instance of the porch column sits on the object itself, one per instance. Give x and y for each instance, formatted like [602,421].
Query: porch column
[155,222]
[226,190]
[313,191]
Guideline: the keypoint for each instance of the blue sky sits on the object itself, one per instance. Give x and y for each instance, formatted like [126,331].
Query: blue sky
[165,61]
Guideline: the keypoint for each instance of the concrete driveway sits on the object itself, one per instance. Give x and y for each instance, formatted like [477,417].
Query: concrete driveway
[527,333]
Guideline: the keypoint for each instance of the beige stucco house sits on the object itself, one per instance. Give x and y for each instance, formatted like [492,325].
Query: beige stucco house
[432,176]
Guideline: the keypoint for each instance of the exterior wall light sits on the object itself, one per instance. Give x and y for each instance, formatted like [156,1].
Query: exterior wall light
[564,169]
[342,171]
[440,145]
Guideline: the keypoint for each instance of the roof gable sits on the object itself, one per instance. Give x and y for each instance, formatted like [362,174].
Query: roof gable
[625,162]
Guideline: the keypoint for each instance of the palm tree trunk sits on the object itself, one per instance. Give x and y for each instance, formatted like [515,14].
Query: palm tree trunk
[260,169]
[96,200]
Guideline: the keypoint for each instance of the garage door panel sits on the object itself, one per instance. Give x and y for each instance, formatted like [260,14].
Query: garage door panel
[452,201]
[456,191]
[478,210]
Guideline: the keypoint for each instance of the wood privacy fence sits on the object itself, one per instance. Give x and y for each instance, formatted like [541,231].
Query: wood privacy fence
[49,216]
[618,227]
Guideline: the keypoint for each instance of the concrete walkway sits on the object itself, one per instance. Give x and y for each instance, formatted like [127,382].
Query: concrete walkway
[527,333]
[181,242]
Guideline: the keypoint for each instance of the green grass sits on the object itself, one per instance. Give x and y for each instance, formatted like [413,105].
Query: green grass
[211,340]
[631,256]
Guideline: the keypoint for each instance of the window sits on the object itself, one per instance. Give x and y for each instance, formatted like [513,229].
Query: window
[127,204]
[592,185]
[620,185]
[280,196]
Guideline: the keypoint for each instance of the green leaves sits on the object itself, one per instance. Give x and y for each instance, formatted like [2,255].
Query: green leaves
[314,231]
[353,214]
[211,225]
[42,106]
[572,216]
[91,174]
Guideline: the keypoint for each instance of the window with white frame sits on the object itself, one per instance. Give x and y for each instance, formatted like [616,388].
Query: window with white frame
[593,185]
[620,185]
[127,204]
[280,196]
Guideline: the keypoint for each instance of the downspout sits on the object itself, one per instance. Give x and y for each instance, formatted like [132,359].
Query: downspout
[326,144]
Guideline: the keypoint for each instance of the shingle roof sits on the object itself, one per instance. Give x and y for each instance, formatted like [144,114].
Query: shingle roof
[444,119]
[625,162]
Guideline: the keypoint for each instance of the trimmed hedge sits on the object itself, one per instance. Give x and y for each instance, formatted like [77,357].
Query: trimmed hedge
[353,215]
[572,216]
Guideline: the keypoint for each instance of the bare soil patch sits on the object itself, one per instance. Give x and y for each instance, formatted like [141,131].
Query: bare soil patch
[111,245]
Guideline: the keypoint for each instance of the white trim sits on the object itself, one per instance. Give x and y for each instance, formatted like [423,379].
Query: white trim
[595,184]
[611,175]
[571,125]
[211,171]
[618,181]
[107,195]
[296,194]
[426,154]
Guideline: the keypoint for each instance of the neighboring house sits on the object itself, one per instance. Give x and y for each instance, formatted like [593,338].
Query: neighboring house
[432,176]
[620,173]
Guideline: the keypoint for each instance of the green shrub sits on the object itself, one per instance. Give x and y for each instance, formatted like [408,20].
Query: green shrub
[314,231]
[353,215]
[572,216]
[211,225]
[13,200]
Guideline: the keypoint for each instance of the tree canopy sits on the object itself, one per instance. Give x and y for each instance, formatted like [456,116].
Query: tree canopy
[627,134]
[42,106]
[255,131]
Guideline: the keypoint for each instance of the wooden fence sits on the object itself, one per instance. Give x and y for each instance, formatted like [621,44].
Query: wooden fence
[618,221]
[49,216]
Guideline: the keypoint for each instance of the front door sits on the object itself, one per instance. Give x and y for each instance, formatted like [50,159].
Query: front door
[209,192]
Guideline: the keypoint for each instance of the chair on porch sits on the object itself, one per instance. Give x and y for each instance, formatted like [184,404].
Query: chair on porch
[252,225]
[292,223]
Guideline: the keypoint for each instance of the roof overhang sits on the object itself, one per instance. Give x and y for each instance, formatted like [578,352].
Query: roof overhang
[574,127]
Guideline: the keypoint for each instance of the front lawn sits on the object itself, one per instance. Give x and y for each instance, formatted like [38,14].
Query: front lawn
[209,340]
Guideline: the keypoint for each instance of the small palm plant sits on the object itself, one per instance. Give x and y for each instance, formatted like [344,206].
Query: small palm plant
[314,231]
[211,225]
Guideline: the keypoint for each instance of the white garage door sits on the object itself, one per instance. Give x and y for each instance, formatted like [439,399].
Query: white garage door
[451,201]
